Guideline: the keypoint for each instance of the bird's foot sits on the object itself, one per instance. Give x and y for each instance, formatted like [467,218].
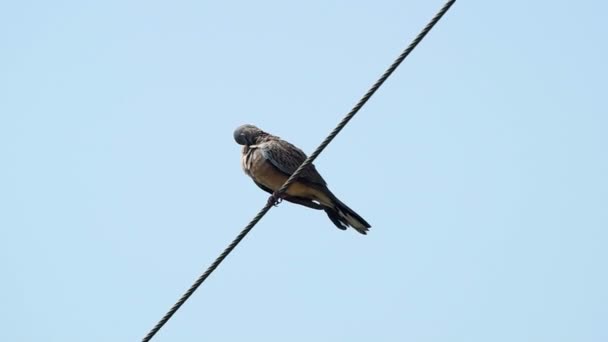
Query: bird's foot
[275,199]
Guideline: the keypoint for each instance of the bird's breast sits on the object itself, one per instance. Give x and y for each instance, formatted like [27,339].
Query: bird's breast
[262,171]
[246,160]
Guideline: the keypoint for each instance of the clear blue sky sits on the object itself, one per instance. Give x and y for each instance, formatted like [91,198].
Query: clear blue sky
[481,165]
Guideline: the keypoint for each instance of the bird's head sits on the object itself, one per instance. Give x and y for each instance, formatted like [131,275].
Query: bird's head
[247,134]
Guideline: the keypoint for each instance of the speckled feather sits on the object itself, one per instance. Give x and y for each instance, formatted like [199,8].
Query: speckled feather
[287,158]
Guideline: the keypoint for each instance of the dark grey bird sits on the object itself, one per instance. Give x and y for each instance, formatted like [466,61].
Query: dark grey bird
[269,161]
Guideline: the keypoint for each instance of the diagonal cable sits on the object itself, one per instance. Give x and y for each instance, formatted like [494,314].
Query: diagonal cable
[295,175]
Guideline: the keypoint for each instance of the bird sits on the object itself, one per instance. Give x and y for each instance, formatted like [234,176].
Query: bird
[270,161]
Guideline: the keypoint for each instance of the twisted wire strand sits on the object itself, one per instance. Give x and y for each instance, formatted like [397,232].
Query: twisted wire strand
[295,175]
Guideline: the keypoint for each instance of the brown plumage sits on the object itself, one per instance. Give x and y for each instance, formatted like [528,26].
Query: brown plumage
[269,161]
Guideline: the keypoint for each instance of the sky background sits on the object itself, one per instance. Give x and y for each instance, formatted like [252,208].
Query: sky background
[481,166]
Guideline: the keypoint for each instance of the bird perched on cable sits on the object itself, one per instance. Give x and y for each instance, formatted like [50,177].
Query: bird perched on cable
[269,161]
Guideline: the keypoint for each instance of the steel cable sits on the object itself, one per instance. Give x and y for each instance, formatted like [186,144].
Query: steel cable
[295,175]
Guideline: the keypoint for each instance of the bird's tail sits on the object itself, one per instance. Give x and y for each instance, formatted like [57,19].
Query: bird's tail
[343,216]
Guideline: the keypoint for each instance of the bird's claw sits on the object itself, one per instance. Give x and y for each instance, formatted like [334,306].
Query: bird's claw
[274,199]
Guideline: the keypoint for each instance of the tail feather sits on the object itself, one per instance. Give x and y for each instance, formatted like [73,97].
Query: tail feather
[334,216]
[343,216]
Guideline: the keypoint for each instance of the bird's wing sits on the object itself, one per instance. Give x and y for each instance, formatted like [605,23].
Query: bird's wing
[286,157]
